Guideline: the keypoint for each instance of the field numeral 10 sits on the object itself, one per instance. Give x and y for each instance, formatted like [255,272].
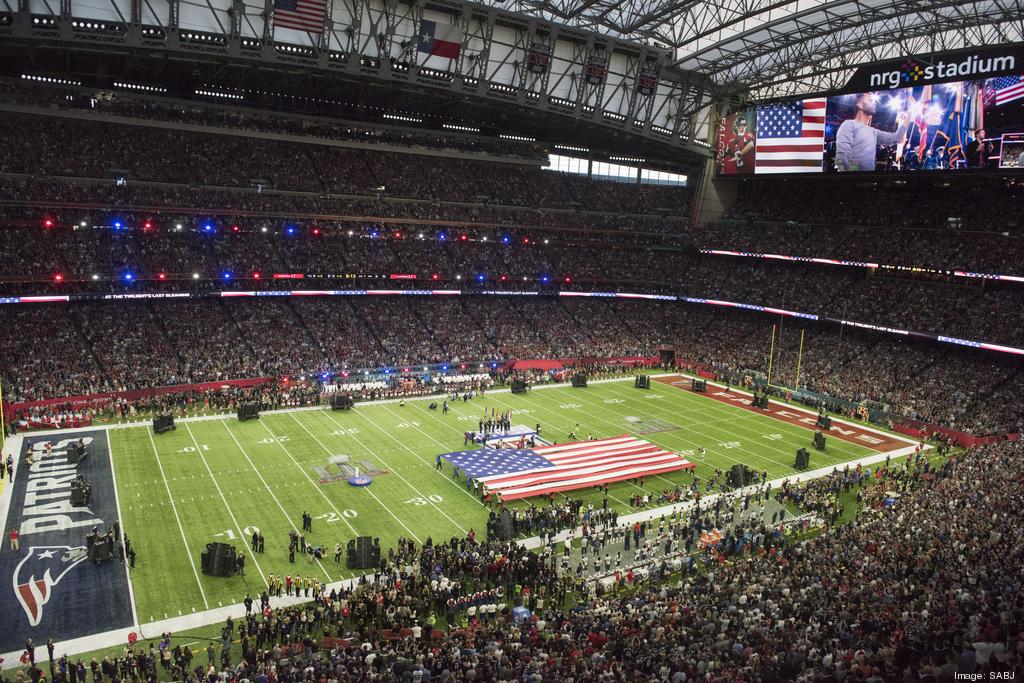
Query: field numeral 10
[433,498]
[230,535]
[192,449]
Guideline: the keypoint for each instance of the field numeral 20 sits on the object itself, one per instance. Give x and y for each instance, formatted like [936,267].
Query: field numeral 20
[406,425]
[192,449]
[230,535]
[345,432]
[433,498]
[333,516]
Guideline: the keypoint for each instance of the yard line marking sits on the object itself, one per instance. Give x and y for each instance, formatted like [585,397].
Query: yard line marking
[310,479]
[241,534]
[117,506]
[267,486]
[395,470]
[365,488]
[184,540]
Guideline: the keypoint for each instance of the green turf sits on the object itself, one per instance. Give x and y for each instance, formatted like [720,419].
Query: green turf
[225,477]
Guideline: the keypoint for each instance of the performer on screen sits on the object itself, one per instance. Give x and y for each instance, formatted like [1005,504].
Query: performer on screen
[857,141]
[978,150]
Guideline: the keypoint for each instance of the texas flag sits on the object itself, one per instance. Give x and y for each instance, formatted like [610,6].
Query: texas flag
[440,41]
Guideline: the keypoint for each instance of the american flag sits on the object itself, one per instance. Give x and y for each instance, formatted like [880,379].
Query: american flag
[1008,89]
[523,473]
[301,15]
[791,137]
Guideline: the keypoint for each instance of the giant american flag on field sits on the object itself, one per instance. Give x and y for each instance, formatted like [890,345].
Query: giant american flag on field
[521,473]
[791,137]
[301,15]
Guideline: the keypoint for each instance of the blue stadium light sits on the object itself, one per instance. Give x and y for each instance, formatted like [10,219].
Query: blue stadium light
[324,376]
[481,277]
[290,230]
[545,278]
[441,236]
[494,365]
[208,227]
[117,225]
[226,276]
[374,234]
[505,239]
[444,367]
[129,277]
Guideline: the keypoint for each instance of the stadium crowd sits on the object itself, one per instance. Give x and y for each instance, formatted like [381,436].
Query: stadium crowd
[921,585]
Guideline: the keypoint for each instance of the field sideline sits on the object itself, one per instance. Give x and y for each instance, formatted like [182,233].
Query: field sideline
[218,479]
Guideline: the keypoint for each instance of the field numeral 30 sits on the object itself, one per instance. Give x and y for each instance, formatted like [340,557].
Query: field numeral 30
[433,498]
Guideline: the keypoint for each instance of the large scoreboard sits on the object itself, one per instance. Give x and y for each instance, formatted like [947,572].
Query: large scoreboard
[948,112]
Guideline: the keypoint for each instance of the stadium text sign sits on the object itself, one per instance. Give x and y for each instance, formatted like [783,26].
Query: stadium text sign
[937,68]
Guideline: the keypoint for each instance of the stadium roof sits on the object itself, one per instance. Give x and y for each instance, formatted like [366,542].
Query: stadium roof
[776,48]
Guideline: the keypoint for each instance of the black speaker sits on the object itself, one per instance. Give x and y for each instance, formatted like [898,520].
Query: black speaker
[218,559]
[698,385]
[824,422]
[803,459]
[760,401]
[248,411]
[76,452]
[819,441]
[81,492]
[518,386]
[642,382]
[341,402]
[363,553]
[163,423]
[739,476]
[579,380]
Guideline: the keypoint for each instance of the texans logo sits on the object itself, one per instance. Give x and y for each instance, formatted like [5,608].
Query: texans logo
[41,570]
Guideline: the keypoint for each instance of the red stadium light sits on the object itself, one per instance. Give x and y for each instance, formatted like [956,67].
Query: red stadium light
[405,369]
[567,280]
[344,374]
[235,228]
[435,276]
[47,222]
[161,276]
[147,225]
[504,278]
[463,366]
[398,235]
[255,276]
[58,277]
[316,231]
[464,237]
[526,240]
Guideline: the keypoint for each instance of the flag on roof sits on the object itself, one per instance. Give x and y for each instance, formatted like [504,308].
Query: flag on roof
[521,473]
[301,15]
[439,40]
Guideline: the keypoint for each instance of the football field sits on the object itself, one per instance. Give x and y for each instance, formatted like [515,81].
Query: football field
[220,479]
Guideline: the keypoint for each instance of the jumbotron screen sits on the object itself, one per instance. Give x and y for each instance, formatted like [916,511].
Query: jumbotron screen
[941,127]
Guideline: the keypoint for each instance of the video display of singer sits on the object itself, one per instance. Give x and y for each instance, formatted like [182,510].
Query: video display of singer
[949,126]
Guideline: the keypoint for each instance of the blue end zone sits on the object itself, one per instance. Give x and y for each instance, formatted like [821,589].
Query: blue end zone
[48,589]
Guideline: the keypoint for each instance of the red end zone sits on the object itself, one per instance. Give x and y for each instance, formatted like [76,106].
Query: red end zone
[876,441]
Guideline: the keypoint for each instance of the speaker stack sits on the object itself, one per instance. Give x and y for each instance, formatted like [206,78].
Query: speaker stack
[518,386]
[803,459]
[642,382]
[698,385]
[363,553]
[76,452]
[824,422]
[218,559]
[579,380]
[739,476]
[341,402]
[248,411]
[761,401]
[819,441]
[163,423]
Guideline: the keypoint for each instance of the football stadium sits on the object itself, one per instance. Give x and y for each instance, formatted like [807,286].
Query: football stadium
[522,341]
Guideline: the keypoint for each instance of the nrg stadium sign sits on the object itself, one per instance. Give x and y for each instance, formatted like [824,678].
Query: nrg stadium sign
[940,67]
